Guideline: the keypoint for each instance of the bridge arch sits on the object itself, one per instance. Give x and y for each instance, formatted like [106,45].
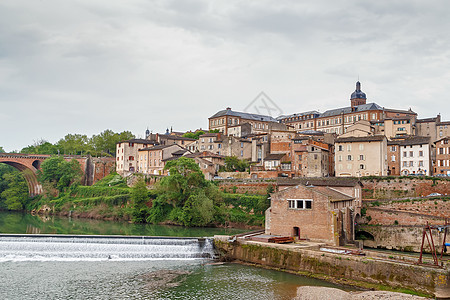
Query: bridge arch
[28,165]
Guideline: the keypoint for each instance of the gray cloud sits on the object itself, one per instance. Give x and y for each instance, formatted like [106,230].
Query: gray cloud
[85,66]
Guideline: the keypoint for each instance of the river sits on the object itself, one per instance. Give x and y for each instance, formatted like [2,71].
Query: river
[124,268]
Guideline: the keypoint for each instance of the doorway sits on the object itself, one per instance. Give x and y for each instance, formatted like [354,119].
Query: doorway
[297,232]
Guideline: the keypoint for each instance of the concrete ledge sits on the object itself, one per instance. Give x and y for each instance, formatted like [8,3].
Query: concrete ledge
[347,269]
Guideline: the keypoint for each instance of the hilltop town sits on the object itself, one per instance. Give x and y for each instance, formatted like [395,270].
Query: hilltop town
[362,139]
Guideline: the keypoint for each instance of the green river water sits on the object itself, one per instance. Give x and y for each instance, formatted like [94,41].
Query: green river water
[87,277]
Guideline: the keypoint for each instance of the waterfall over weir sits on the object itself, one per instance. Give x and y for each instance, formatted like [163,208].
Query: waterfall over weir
[97,248]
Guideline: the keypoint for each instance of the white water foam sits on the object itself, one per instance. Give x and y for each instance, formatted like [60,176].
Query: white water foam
[103,249]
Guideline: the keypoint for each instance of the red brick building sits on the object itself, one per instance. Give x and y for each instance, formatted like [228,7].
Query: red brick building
[337,120]
[393,156]
[323,211]
[442,165]
[224,119]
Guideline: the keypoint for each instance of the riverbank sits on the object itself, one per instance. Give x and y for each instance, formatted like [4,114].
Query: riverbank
[367,272]
[324,293]
[111,199]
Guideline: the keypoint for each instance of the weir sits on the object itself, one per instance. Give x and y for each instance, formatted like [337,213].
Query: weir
[14,247]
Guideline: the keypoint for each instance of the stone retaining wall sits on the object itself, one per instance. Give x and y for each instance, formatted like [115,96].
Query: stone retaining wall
[344,268]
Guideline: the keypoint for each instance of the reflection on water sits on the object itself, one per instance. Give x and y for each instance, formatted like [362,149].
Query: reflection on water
[145,280]
[26,223]
[97,271]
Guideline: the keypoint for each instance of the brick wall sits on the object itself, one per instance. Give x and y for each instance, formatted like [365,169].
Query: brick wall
[403,187]
[383,216]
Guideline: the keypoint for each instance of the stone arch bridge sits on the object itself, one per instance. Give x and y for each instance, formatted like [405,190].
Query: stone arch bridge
[28,164]
[93,168]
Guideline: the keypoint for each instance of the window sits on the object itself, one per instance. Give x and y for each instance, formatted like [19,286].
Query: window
[405,154]
[349,147]
[393,158]
[242,145]
[411,154]
[361,157]
[349,157]
[299,157]
[242,152]
[315,156]
[421,153]
[339,157]
[340,148]
[130,157]
[219,146]
[300,203]
[405,163]
[393,148]
[411,164]
[361,146]
[420,163]
[361,167]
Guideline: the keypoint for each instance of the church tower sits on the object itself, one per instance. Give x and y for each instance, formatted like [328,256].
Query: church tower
[357,97]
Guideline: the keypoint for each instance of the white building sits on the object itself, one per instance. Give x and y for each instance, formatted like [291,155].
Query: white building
[415,156]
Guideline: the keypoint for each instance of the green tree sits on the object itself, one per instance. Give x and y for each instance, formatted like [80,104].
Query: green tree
[140,197]
[185,196]
[105,142]
[16,193]
[60,173]
[194,135]
[1,150]
[74,144]
[198,210]
[40,147]
[233,164]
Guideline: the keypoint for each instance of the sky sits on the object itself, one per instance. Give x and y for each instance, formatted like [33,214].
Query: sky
[83,66]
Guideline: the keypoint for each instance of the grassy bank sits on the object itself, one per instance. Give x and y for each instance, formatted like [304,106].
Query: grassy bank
[111,199]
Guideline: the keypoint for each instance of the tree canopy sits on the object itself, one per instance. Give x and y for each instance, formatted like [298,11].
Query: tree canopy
[1,150]
[194,135]
[59,173]
[233,164]
[80,144]
[185,196]
[13,188]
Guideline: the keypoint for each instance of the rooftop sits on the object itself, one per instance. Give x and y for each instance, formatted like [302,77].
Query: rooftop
[275,156]
[158,147]
[371,138]
[138,141]
[243,115]
[332,193]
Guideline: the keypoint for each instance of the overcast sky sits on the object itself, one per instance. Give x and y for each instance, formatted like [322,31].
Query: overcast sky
[83,66]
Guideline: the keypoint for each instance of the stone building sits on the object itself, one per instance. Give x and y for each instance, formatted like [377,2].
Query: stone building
[224,119]
[310,158]
[361,156]
[300,121]
[127,154]
[152,160]
[322,211]
[442,165]
[339,119]
[433,128]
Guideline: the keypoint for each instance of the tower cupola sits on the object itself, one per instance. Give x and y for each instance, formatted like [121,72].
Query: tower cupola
[357,97]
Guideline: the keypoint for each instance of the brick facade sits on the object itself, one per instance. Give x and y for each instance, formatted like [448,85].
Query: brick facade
[319,213]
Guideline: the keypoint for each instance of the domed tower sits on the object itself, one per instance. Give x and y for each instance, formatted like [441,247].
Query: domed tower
[357,97]
[147,134]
